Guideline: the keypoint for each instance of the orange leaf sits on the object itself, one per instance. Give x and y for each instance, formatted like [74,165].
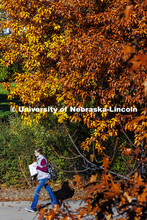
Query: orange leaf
[143,196]
[127,151]
[77,179]
[109,217]
[128,11]
[93,178]
[129,199]
[121,219]
[137,151]
[140,59]
[116,188]
[105,163]
[138,179]
[127,51]
[91,157]
[145,87]
[105,179]
[143,59]
[41,214]
[110,195]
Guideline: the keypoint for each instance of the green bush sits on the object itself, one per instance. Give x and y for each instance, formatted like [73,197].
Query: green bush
[7,74]
[18,142]
[4,74]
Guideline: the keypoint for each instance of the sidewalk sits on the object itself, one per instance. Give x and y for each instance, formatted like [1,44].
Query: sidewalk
[16,210]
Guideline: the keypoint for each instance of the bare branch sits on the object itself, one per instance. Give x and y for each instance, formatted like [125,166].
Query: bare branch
[114,173]
[70,171]
[78,149]
[134,170]
[23,171]
[94,153]
[114,150]
[71,151]
[67,158]
[92,164]
[127,135]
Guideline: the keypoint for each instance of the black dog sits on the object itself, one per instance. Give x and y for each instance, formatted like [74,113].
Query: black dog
[64,193]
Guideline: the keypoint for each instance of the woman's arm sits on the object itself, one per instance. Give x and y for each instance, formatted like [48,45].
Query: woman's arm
[44,164]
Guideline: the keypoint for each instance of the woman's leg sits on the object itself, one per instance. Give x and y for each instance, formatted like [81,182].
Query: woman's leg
[51,194]
[37,191]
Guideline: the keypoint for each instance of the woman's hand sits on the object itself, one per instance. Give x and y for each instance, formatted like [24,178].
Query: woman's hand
[35,165]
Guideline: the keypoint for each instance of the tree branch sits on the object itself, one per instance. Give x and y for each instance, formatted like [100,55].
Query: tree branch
[23,171]
[78,149]
[70,171]
[127,135]
[114,150]
[92,164]
[67,158]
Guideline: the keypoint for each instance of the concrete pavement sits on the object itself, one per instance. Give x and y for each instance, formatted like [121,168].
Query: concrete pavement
[16,210]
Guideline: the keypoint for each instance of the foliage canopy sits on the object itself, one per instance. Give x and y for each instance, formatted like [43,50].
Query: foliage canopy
[83,53]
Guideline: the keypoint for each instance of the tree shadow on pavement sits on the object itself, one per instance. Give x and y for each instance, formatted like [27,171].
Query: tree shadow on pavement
[66,192]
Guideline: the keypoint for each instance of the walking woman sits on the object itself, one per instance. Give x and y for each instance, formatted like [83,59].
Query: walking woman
[43,176]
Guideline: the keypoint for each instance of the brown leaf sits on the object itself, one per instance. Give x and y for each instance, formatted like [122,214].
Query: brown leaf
[121,219]
[144,161]
[138,179]
[105,179]
[137,151]
[91,157]
[41,214]
[127,51]
[109,217]
[145,87]
[105,163]
[127,151]
[143,59]
[109,195]
[129,199]
[95,188]
[143,196]
[67,218]
[77,179]
[128,11]
[116,188]
[140,59]
[93,178]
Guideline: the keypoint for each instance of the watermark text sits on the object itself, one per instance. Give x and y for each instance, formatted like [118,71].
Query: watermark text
[54,110]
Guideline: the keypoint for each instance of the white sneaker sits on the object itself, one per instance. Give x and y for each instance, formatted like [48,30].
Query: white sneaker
[30,209]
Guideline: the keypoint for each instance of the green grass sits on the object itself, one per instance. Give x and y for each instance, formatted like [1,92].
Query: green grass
[4,102]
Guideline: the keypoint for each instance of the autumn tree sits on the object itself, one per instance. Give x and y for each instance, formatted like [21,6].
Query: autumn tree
[88,55]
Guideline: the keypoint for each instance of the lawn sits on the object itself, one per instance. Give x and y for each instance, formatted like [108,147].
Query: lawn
[4,102]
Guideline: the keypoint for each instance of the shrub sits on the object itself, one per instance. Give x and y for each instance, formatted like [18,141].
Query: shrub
[18,142]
